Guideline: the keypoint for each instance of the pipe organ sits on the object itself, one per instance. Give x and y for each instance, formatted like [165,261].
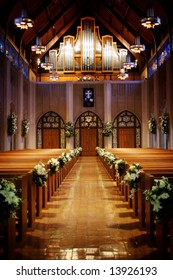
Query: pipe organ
[88,52]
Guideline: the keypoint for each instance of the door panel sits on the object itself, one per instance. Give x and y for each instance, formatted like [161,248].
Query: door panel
[88,141]
[126,138]
[50,138]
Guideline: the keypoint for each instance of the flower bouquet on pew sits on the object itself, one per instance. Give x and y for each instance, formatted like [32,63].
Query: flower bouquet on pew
[10,200]
[132,177]
[54,165]
[161,198]
[120,166]
[40,174]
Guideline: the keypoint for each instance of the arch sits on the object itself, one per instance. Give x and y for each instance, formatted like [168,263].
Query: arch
[50,131]
[88,132]
[126,130]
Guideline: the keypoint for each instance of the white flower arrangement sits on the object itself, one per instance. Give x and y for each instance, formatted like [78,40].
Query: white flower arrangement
[132,177]
[161,198]
[164,123]
[69,129]
[9,200]
[152,125]
[40,174]
[12,124]
[120,166]
[54,165]
[107,128]
[25,127]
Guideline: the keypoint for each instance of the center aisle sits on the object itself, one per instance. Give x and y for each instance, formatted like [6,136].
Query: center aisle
[87,219]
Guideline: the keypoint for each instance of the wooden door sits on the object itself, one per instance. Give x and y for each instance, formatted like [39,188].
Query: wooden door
[50,138]
[126,138]
[88,141]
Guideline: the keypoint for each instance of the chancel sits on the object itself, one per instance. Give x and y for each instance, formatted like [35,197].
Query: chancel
[86,121]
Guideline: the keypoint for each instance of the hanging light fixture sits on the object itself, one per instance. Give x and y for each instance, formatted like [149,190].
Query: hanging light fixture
[137,47]
[129,64]
[53,76]
[38,48]
[122,75]
[150,21]
[47,65]
[23,22]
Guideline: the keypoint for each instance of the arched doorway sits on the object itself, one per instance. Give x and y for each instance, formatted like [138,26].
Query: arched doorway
[88,133]
[126,131]
[50,131]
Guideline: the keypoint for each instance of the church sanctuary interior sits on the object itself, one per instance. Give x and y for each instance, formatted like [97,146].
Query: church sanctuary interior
[86,130]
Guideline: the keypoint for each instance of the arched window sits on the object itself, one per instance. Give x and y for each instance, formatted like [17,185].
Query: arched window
[50,131]
[126,131]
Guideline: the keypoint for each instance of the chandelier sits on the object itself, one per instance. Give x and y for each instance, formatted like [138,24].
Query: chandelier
[150,21]
[122,75]
[137,47]
[129,64]
[23,22]
[38,48]
[47,65]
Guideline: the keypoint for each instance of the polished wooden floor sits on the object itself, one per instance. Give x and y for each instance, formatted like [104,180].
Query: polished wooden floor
[87,219]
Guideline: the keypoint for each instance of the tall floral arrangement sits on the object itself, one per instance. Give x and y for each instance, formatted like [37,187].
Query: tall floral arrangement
[152,125]
[25,127]
[11,124]
[69,129]
[40,174]
[164,123]
[10,200]
[107,129]
[161,198]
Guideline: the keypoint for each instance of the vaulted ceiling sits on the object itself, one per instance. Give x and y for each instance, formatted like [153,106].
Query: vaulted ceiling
[55,18]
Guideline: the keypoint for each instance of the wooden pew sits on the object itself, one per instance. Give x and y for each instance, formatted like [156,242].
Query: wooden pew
[155,163]
[20,164]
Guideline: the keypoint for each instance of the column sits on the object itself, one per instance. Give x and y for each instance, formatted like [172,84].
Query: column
[19,139]
[6,104]
[156,110]
[145,116]
[169,102]
[31,137]
[69,112]
[107,111]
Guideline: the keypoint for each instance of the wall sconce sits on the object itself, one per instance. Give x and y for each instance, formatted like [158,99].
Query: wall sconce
[150,21]
[122,75]
[38,48]
[137,47]
[23,22]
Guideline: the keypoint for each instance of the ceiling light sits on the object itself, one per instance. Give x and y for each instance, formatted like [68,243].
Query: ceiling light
[47,65]
[150,21]
[38,48]
[129,64]
[23,22]
[137,47]
[122,75]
